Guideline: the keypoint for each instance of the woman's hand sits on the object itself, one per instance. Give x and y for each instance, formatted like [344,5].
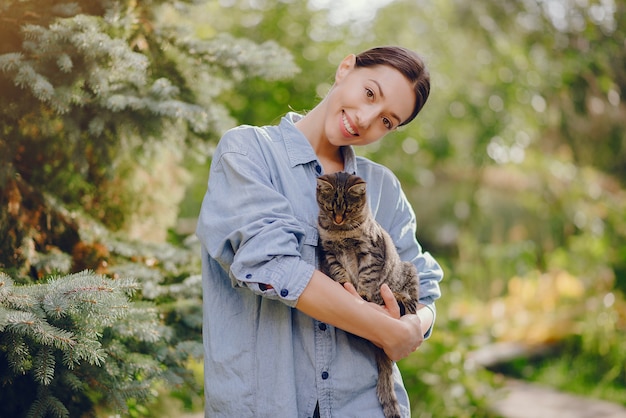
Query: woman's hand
[403,339]
[409,341]
[328,301]
[391,306]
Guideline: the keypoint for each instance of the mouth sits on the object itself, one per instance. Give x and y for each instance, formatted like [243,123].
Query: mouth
[347,126]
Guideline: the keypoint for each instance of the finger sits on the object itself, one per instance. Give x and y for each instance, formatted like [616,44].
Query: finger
[350,288]
[391,304]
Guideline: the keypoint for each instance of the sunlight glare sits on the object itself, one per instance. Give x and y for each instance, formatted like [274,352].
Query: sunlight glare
[349,10]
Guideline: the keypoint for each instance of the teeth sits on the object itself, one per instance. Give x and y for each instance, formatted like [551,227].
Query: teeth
[347,125]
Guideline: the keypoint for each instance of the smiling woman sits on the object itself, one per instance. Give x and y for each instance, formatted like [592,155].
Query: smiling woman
[374,93]
[358,106]
[261,281]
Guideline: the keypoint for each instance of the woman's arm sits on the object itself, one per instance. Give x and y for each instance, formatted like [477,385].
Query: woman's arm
[327,301]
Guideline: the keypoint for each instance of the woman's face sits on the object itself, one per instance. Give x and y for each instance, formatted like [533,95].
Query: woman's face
[366,103]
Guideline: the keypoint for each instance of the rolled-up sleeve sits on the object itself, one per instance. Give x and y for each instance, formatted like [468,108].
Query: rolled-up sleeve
[248,227]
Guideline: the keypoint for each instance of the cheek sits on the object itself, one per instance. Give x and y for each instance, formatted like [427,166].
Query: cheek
[373,135]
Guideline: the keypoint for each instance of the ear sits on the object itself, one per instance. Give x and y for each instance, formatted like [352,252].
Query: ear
[358,188]
[322,183]
[346,65]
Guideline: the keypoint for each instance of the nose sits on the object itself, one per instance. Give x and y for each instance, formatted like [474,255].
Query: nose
[366,116]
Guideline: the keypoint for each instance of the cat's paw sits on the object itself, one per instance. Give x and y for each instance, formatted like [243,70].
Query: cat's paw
[407,304]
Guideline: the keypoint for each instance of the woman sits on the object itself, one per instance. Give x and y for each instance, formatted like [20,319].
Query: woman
[281,338]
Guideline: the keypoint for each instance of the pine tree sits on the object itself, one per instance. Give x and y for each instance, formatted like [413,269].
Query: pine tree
[100,104]
[93,92]
[57,336]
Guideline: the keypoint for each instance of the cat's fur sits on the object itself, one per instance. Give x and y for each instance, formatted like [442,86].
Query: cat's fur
[356,249]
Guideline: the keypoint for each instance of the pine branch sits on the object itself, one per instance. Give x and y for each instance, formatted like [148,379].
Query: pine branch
[70,325]
[187,349]
[18,355]
[140,324]
[88,349]
[72,381]
[56,407]
[11,62]
[37,409]
[89,297]
[53,262]
[43,366]
[47,404]
[65,63]
[28,324]
[241,56]
[6,287]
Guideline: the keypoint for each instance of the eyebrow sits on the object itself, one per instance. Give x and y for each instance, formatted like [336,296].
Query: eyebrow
[380,90]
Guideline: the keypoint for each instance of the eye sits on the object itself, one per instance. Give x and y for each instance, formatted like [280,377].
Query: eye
[388,124]
[369,93]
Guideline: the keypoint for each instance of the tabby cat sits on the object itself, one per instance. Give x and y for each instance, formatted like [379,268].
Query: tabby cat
[355,248]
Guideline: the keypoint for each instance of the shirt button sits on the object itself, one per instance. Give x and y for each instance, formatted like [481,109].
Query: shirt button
[248,276]
[322,326]
[284,293]
[324,375]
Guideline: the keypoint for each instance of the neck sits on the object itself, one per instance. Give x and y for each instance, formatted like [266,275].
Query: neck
[313,127]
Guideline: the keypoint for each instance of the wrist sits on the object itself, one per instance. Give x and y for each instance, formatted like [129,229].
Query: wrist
[427,318]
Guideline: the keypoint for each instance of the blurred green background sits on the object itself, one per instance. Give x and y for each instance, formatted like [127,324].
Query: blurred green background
[516,169]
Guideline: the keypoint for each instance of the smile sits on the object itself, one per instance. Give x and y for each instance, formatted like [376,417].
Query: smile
[347,125]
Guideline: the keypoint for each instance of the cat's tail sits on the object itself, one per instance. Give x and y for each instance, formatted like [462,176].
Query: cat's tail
[385,387]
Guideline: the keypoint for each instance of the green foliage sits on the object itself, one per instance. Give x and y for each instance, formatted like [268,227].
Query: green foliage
[443,382]
[515,168]
[259,101]
[530,72]
[52,340]
[102,103]
[576,367]
[92,90]
[92,341]
[590,362]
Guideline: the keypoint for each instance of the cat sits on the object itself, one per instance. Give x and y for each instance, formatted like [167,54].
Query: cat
[355,248]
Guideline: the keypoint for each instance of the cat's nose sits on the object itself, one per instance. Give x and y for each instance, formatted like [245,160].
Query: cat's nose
[338,219]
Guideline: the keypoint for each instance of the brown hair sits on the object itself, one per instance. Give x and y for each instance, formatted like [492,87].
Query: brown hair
[408,63]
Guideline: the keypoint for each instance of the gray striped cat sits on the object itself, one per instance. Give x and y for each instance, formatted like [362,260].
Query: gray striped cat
[355,248]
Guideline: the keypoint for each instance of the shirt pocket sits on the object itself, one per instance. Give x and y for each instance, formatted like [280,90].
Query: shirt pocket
[309,244]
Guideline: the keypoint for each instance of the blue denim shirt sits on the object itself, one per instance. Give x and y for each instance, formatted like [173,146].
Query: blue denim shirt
[257,226]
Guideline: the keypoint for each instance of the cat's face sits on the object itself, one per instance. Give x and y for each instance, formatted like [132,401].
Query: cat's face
[342,199]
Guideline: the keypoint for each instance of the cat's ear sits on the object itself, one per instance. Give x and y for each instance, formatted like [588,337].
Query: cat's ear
[322,183]
[358,189]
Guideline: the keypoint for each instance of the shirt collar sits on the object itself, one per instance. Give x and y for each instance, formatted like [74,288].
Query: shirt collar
[299,149]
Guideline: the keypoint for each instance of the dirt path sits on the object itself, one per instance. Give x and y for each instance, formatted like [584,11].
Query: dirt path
[526,400]
[522,399]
